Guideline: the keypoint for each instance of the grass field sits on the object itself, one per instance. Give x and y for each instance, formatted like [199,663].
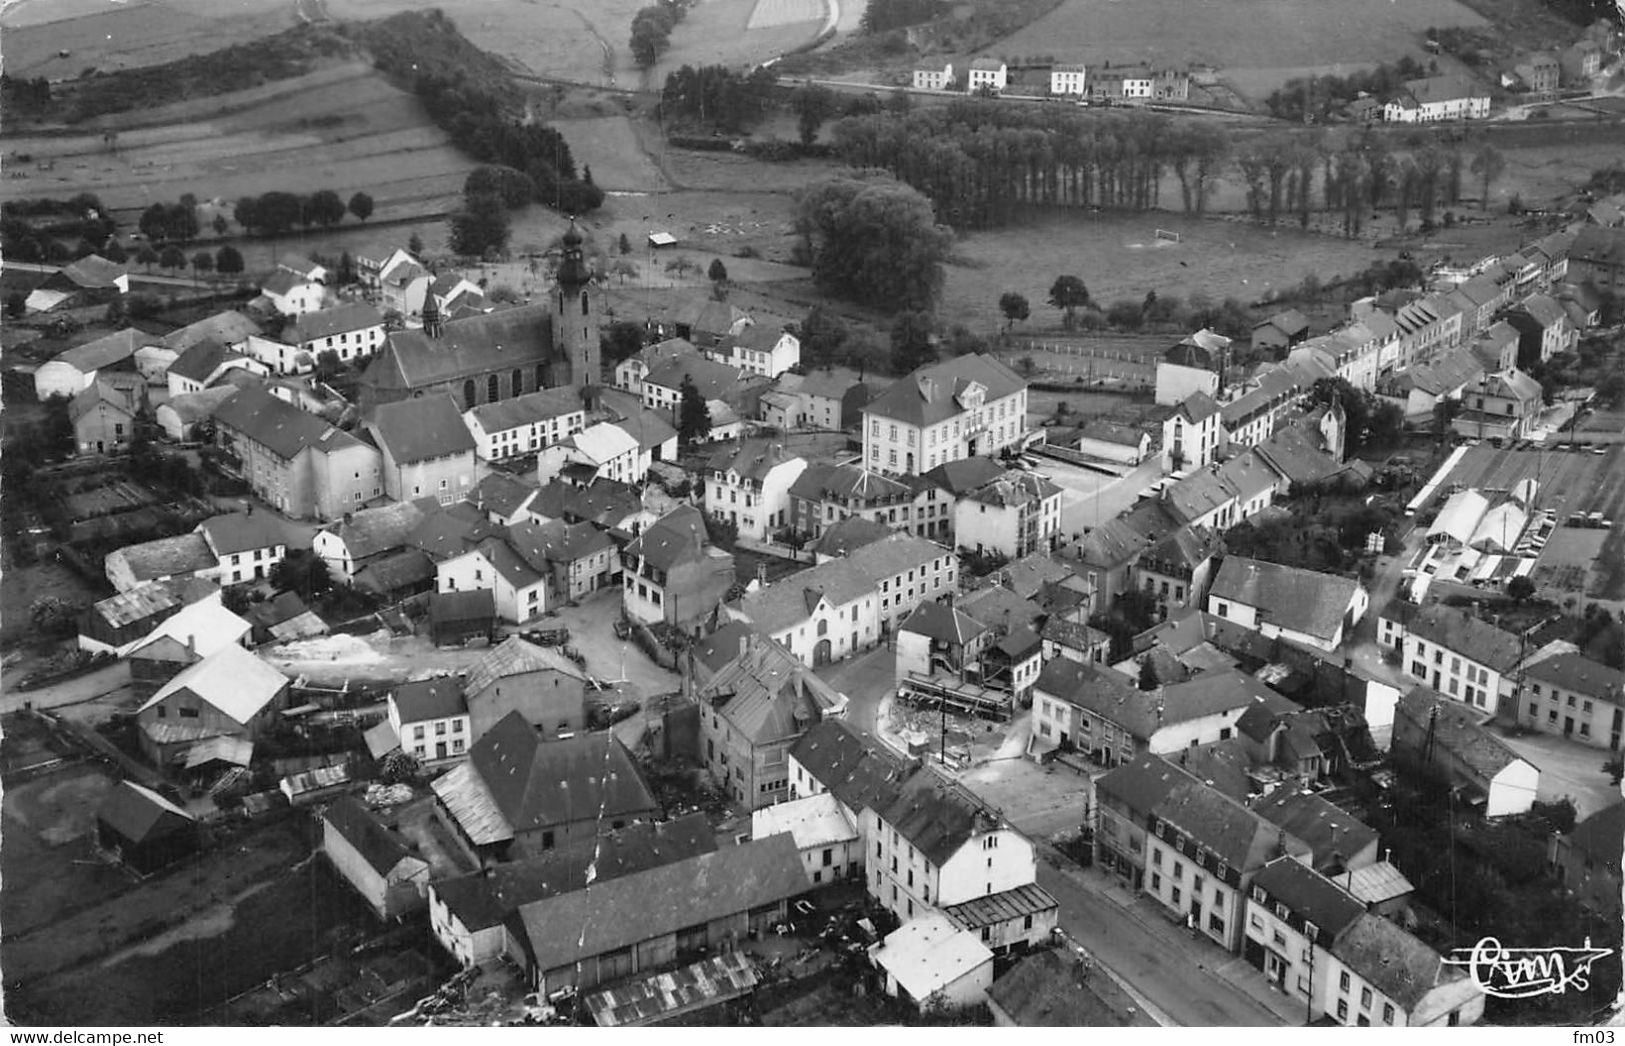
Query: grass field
[1117,257]
[609,145]
[1235,34]
[732,33]
[96,34]
[343,128]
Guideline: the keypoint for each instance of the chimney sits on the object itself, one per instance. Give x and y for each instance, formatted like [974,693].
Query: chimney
[744,643]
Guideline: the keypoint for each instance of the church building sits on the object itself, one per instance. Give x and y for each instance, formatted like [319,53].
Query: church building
[496,356]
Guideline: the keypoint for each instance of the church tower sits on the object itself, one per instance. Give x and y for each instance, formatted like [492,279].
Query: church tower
[575,317]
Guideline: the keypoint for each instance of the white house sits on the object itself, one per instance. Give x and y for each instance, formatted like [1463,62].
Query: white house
[518,588]
[825,835]
[1066,78]
[604,451]
[1193,434]
[759,349]
[1572,696]
[245,546]
[986,74]
[1274,600]
[629,373]
[1113,441]
[430,719]
[1436,98]
[204,364]
[293,295]
[1016,514]
[72,370]
[1451,651]
[934,78]
[931,963]
[525,424]
[969,406]
[354,331]
[278,357]
[748,484]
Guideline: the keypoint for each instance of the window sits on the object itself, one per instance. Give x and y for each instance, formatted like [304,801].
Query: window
[493,390]
[1342,1009]
[468,393]
[1365,998]
[547,840]
[518,382]
[1343,981]
[1387,1013]
[1156,881]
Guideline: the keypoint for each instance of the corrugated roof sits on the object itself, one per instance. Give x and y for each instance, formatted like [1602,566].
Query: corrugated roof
[1376,883]
[152,598]
[664,995]
[472,805]
[813,821]
[231,679]
[205,627]
[1000,907]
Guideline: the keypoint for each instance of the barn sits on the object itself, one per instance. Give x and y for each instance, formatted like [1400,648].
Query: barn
[146,830]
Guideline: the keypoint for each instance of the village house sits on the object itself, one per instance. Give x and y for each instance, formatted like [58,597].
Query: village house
[1125,796]
[1014,515]
[1498,347]
[1174,571]
[1121,84]
[297,462]
[1198,362]
[1571,696]
[1337,842]
[73,370]
[711,903]
[196,632]
[662,386]
[825,494]
[513,428]
[504,499]
[1452,651]
[1193,434]
[826,837]
[1280,332]
[1274,600]
[230,328]
[630,372]
[759,349]
[1505,404]
[467,912]
[349,544]
[1074,640]
[184,418]
[672,574]
[934,78]
[1437,98]
[204,363]
[162,559]
[1543,327]
[292,294]
[517,795]
[428,720]
[1374,969]
[374,859]
[966,407]
[1433,730]
[245,546]
[986,75]
[748,485]
[1052,988]
[230,693]
[104,413]
[934,965]
[938,637]
[352,331]
[426,449]
[1067,78]
[577,558]
[752,712]
[519,584]
[603,451]
[543,686]
[1113,441]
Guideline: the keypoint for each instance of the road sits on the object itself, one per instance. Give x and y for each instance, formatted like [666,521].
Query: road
[69,692]
[865,681]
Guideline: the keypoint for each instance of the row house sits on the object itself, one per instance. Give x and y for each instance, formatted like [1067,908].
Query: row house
[1124,798]
[531,566]
[1452,651]
[1174,571]
[1014,515]
[1275,600]
[427,449]
[748,484]
[352,331]
[1251,417]
[1543,327]
[1498,347]
[969,406]
[1419,389]
[1109,551]
[1572,696]
[825,494]
[662,386]
[672,574]
[1481,297]
[524,425]
[1317,943]
[298,463]
[1427,326]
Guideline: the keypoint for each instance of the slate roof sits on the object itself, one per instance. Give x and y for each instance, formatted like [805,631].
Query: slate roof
[102,352]
[944,624]
[1181,552]
[858,769]
[380,847]
[282,281]
[473,345]
[1197,407]
[1581,675]
[1459,730]
[1001,609]
[229,328]
[514,657]
[617,913]
[1331,833]
[1309,895]
[914,403]
[242,532]
[101,391]
[850,534]
[528,409]
[782,604]
[1221,765]
[1393,961]
[93,271]
[1027,576]
[374,530]
[768,694]
[1289,597]
[675,538]
[421,429]
[485,898]
[1451,370]
[1290,452]
[181,554]
[1015,488]
[1462,633]
[1047,989]
[964,475]
[199,362]
[713,380]
[535,783]
[279,426]
[439,698]
[605,501]
[140,814]
[938,815]
[1234,833]
[340,319]
[501,493]
[1198,494]
[192,407]
[1290,322]
[752,460]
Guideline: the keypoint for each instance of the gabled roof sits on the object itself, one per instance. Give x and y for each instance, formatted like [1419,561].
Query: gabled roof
[713,380]
[528,409]
[1512,384]
[928,953]
[1289,597]
[939,815]
[421,429]
[1141,784]
[151,598]
[438,698]
[199,362]
[484,898]
[192,407]
[1309,895]
[1462,633]
[282,281]
[1334,836]
[501,493]
[964,475]
[203,628]
[1376,883]
[166,557]
[279,426]
[380,847]
[1581,675]
[1050,989]
[812,821]
[753,460]
[242,532]
[514,657]
[102,352]
[1290,452]
[340,319]
[1197,407]
[1459,730]
[93,271]
[944,624]
[1395,962]
[677,537]
[1443,375]
[930,394]
[472,345]
[610,915]
[374,530]
[229,328]
[1015,488]
[140,814]
[1234,833]
[556,542]
[1198,494]
[99,392]
[231,679]
[536,783]
[606,502]
[858,769]
[1028,576]
[1001,609]
[850,534]
[768,694]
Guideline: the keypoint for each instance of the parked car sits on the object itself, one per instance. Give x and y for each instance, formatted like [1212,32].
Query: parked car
[548,636]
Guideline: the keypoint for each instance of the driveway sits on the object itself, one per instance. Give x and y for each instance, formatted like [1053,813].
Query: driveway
[865,680]
[1567,769]
[592,631]
[74,691]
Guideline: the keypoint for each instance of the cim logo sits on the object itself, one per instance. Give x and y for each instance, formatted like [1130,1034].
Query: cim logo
[1522,973]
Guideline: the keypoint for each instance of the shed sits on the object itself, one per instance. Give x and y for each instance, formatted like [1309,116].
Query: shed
[146,830]
[457,617]
[374,859]
[661,239]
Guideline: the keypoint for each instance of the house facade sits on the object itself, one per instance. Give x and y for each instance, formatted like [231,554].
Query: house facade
[510,429]
[300,464]
[671,573]
[1274,600]
[426,449]
[1571,696]
[970,406]
[749,484]
[1017,514]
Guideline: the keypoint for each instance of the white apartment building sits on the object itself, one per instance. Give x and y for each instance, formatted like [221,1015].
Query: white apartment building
[1452,651]
[1018,513]
[1068,78]
[970,406]
[934,78]
[524,425]
[748,485]
[430,719]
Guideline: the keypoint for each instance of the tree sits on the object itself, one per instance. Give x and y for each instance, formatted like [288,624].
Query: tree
[172,257]
[398,768]
[693,414]
[414,245]
[1356,410]
[1069,295]
[812,104]
[1148,674]
[620,340]
[913,342]
[325,208]
[16,305]
[220,225]
[277,212]
[52,615]
[115,253]
[718,272]
[1015,309]
[1520,590]
[624,244]
[515,188]
[625,268]
[481,227]
[873,240]
[147,255]
[1488,164]
[228,260]
[361,206]
[202,263]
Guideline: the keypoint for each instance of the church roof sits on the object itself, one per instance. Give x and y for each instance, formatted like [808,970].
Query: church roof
[475,345]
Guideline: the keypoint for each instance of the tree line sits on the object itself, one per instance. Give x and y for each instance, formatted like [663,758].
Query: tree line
[1306,99]
[651,30]
[879,16]
[278,212]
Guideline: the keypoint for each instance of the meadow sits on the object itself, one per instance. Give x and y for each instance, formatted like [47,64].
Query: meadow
[59,39]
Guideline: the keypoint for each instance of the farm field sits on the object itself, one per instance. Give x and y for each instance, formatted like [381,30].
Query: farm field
[740,32]
[610,146]
[1329,35]
[296,140]
[1118,256]
[100,35]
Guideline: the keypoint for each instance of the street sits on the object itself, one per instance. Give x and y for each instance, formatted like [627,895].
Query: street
[71,691]
[865,680]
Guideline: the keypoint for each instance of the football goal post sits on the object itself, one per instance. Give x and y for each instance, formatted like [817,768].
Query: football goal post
[1164,234]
